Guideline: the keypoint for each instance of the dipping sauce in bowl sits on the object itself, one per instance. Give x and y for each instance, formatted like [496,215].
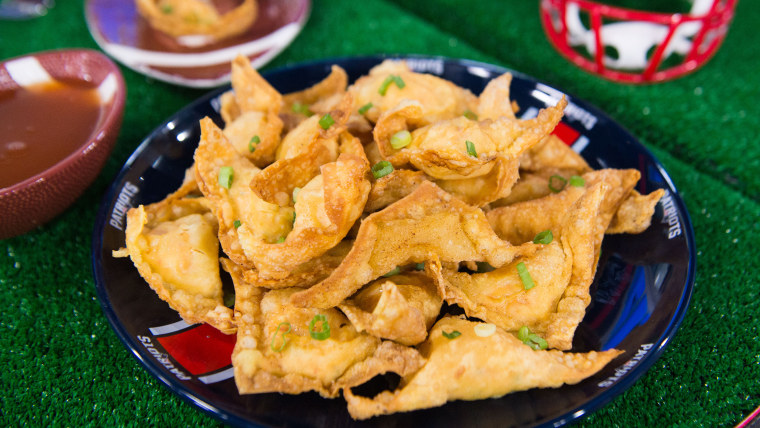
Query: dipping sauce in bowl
[60,115]
[43,124]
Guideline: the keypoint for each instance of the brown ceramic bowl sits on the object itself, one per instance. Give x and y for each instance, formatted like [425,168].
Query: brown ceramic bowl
[37,199]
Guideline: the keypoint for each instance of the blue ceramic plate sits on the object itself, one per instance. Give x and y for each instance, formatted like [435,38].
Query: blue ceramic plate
[640,294]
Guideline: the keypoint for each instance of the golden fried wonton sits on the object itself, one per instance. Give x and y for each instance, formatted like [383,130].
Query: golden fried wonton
[173,244]
[460,368]
[552,300]
[282,348]
[401,307]
[428,224]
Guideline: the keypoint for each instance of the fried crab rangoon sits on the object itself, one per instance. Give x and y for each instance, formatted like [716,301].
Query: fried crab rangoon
[459,369]
[428,224]
[355,221]
[282,348]
[197,22]
[173,244]
[560,273]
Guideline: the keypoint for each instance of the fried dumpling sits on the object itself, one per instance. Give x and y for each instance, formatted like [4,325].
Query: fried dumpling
[174,246]
[401,307]
[392,81]
[548,291]
[251,114]
[458,369]
[223,175]
[459,148]
[425,225]
[282,348]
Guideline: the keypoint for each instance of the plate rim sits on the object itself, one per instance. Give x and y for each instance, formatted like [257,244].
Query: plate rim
[576,413]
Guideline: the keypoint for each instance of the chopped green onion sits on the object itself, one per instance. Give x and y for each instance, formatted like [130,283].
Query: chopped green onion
[281,239]
[531,339]
[326,121]
[545,237]
[302,108]
[363,109]
[401,139]
[278,331]
[453,335]
[381,169]
[225,176]
[324,332]
[523,333]
[560,181]
[295,193]
[236,223]
[525,276]
[538,340]
[471,148]
[469,114]
[167,9]
[484,329]
[394,271]
[252,144]
[420,266]
[294,218]
[387,83]
[577,181]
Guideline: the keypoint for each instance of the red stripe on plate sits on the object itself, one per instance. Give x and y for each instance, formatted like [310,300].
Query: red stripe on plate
[199,350]
[565,133]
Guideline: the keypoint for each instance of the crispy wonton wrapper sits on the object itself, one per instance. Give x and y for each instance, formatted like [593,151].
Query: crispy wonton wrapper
[197,22]
[275,352]
[428,224]
[561,274]
[173,244]
[459,369]
[401,307]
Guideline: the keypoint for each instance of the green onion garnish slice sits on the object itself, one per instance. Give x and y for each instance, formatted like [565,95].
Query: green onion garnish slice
[525,276]
[252,144]
[363,109]
[167,9]
[545,237]
[281,239]
[295,193]
[326,121]
[577,181]
[225,176]
[394,271]
[523,333]
[324,327]
[294,218]
[557,183]
[276,333]
[302,108]
[236,223]
[387,83]
[453,335]
[381,169]
[401,139]
[419,266]
[538,340]
[531,339]
[471,148]
[469,114]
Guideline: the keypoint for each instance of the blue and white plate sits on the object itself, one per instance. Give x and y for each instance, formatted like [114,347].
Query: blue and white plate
[640,293]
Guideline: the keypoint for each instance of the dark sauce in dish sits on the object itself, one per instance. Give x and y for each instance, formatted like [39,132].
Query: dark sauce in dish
[42,124]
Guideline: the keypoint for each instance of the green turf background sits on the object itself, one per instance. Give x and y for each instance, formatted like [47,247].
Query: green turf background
[61,364]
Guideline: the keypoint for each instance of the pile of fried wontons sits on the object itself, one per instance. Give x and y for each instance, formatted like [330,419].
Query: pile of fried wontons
[349,217]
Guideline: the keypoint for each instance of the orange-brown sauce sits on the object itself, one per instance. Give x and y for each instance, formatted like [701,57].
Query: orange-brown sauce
[42,124]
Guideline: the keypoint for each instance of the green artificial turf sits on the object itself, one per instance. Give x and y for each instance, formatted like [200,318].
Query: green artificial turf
[64,366]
